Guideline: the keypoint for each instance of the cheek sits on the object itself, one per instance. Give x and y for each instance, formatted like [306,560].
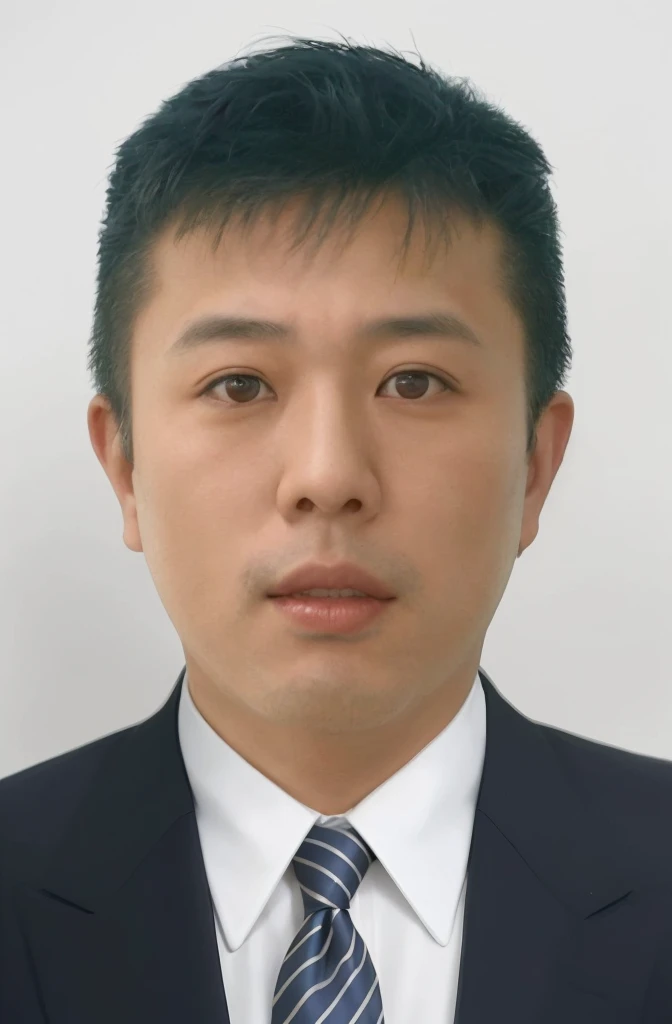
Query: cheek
[173,521]
[470,528]
[195,523]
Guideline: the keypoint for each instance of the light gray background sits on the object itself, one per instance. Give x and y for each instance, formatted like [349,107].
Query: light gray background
[579,640]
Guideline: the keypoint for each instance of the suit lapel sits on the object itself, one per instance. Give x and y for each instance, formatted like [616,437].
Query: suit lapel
[540,866]
[121,928]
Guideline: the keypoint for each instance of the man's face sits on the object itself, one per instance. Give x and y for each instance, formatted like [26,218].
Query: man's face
[331,455]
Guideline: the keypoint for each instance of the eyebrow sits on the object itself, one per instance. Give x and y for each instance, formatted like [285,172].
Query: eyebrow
[216,328]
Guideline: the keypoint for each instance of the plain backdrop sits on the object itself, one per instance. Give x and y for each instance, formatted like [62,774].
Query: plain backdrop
[579,640]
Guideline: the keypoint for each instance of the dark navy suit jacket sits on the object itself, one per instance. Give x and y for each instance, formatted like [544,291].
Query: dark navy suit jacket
[106,917]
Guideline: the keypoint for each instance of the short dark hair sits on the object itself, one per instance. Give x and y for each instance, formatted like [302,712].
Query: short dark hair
[326,119]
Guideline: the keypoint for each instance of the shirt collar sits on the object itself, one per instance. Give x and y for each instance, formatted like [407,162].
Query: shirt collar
[418,822]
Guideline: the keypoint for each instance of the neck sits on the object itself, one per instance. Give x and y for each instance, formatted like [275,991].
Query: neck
[324,761]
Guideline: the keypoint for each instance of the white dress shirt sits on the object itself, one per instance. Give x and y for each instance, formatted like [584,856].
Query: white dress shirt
[409,907]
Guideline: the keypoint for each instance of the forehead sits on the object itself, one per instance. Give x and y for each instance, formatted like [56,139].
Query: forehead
[253,272]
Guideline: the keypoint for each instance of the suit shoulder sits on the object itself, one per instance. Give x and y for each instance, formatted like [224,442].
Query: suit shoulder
[614,762]
[37,802]
[634,790]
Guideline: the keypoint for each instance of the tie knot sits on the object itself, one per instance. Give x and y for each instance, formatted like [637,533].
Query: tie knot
[329,865]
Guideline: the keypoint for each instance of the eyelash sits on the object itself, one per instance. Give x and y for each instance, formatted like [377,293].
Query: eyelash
[253,376]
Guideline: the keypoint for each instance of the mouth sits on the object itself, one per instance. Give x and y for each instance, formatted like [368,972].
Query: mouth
[328,614]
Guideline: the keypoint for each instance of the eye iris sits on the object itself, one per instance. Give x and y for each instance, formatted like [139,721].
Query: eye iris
[413,377]
[236,387]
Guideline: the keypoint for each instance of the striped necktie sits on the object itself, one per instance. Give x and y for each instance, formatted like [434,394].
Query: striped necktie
[327,975]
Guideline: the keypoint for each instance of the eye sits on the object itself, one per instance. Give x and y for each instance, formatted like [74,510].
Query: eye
[237,384]
[239,389]
[413,385]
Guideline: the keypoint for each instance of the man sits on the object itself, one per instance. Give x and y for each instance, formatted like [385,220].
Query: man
[335,816]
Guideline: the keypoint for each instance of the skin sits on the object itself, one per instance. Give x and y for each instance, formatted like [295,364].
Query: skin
[330,459]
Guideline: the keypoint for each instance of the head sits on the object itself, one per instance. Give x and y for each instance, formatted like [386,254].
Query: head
[284,187]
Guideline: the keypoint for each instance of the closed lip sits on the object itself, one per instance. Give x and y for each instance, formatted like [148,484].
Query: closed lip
[339,576]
